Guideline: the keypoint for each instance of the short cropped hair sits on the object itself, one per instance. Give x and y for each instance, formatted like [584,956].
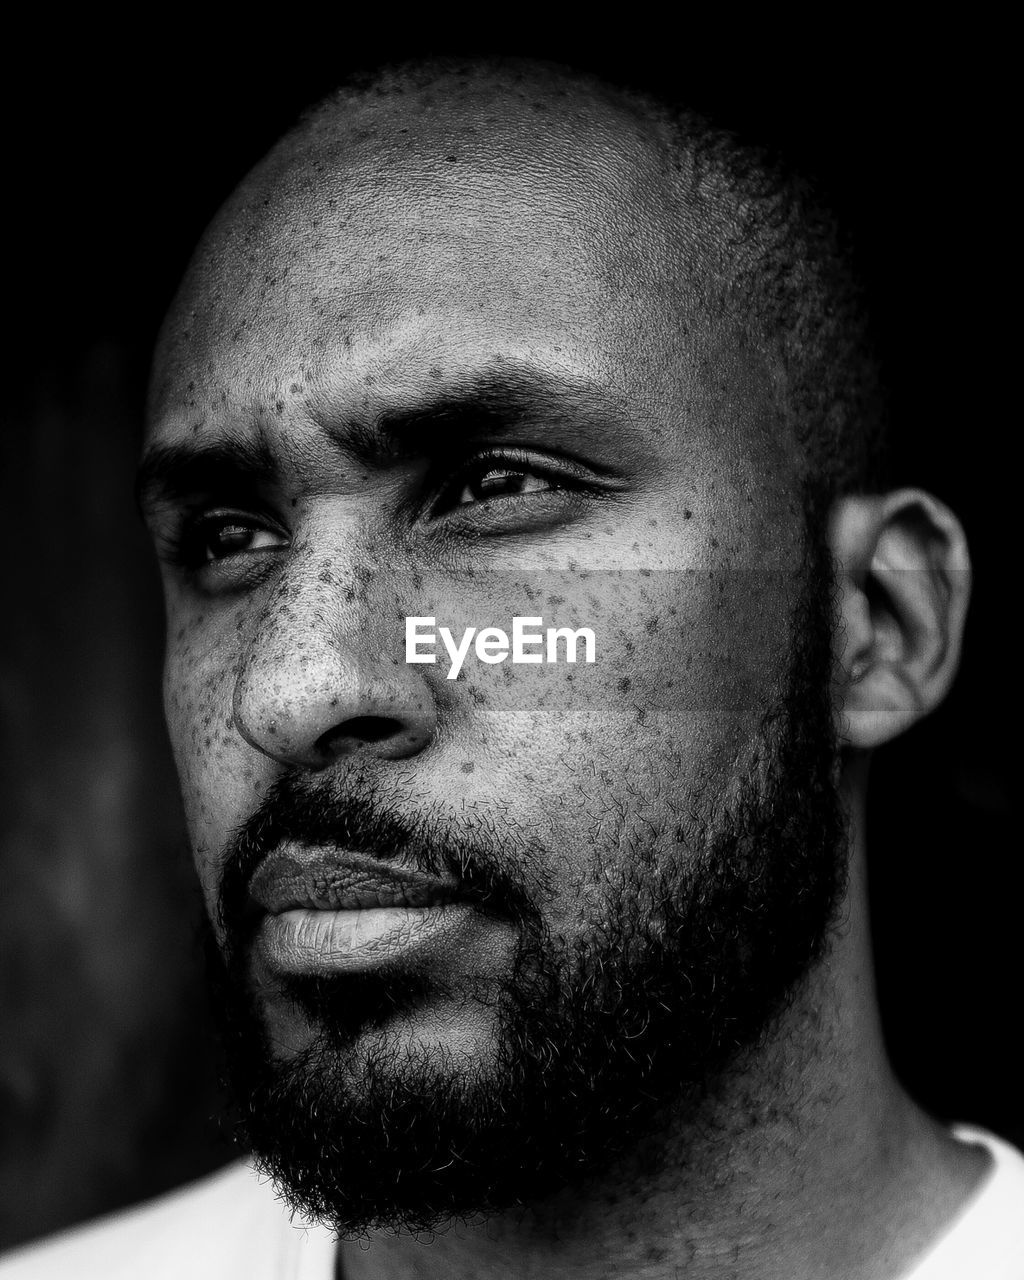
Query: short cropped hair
[789,280]
[785,275]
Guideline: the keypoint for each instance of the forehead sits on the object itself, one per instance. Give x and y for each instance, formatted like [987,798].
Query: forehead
[403,243]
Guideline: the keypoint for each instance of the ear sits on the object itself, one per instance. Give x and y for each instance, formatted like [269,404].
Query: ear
[904,575]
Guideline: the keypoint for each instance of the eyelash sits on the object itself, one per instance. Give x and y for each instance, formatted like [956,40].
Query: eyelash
[565,476]
[186,545]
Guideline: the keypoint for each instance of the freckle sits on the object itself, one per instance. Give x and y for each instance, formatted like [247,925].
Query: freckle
[687,515]
[279,407]
[467,767]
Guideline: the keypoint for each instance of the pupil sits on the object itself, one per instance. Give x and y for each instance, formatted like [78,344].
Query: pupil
[499,482]
[226,541]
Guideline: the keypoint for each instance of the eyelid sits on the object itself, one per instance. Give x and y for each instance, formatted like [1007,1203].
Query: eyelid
[247,526]
[555,467]
[180,545]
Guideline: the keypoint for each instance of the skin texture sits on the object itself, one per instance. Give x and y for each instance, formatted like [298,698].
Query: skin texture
[398,252]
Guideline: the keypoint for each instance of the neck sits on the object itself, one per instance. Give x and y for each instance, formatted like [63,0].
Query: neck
[806,1160]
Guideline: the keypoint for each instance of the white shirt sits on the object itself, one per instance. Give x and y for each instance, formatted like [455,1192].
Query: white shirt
[985,1241]
[232,1226]
[229,1226]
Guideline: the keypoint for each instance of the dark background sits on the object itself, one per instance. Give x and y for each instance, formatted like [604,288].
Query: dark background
[119,145]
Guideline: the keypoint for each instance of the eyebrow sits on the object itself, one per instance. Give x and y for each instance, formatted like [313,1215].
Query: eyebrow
[170,472]
[486,403]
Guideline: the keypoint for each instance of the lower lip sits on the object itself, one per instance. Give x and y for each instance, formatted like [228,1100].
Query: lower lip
[329,942]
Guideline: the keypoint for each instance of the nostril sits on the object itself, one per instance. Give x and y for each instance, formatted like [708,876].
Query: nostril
[361,729]
[330,703]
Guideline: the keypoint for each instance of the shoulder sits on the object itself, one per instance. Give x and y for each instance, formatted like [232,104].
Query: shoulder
[228,1224]
[1006,1180]
[987,1236]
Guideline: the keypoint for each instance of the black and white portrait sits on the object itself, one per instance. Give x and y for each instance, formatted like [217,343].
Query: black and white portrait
[508,688]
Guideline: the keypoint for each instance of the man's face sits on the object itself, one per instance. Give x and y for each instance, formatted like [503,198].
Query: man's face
[427,365]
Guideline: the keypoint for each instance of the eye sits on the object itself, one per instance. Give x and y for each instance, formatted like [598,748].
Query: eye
[207,540]
[219,537]
[500,483]
[497,481]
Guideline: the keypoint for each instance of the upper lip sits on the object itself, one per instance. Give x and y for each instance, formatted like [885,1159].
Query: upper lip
[325,879]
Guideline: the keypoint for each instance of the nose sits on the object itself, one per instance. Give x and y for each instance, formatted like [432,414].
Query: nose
[305,694]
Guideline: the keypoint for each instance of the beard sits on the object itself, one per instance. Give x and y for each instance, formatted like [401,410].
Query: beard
[703,933]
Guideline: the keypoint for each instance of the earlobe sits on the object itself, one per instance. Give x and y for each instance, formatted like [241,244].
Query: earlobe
[904,577]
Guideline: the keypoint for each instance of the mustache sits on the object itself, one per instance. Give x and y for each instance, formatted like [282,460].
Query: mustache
[485,856]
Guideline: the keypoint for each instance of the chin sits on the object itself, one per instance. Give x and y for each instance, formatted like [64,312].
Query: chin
[457,1035]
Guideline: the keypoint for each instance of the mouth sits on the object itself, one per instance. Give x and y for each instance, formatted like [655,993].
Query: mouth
[299,877]
[329,911]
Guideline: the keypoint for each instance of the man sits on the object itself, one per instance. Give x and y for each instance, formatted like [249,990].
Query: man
[531,966]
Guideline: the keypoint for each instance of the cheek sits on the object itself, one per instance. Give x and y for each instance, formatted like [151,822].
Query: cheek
[709,657]
[598,761]
[685,660]
[214,767]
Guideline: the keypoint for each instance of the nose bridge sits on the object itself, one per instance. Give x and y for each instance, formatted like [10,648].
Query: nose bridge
[317,678]
[317,603]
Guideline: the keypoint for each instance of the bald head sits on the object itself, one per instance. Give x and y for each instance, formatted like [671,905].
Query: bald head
[549,181]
